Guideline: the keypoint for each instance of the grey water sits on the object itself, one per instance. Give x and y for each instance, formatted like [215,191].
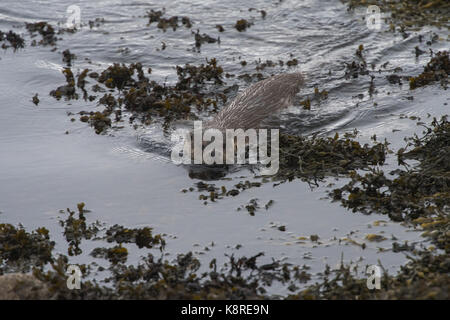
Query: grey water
[123,180]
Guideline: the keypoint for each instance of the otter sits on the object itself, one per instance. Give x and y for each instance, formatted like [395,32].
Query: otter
[258,102]
[246,111]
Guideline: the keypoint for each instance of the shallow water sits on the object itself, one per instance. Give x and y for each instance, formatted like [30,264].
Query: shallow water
[123,180]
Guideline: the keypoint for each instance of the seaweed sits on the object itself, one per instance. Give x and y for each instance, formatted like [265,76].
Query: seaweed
[117,76]
[143,237]
[146,99]
[437,69]
[68,57]
[314,158]
[242,25]
[117,254]
[35,99]
[68,91]
[46,31]
[15,40]
[76,229]
[409,14]
[420,191]
[425,276]
[203,38]
[165,23]
[357,67]
[20,250]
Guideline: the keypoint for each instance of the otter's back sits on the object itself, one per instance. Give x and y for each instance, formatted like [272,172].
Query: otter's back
[258,102]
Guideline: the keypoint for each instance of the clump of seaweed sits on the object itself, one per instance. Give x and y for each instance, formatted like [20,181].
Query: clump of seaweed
[437,229]
[99,120]
[117,76]
[252,206]
[146,98]
[215,193]
[46,31]
[409,14]
[357,67]
[292,63]
[313,159]
[203,38]
[35,99]
[154,16]
[142,237]
[242,25]
[15,40]
[165,23]
[76,229]
[97,22]
[20,250]
[117,254]
[421,191]
[192,77]
[317,97]
[68,57]
[437,69]
[179,101]
[67,90]
[261,65]
[258,76]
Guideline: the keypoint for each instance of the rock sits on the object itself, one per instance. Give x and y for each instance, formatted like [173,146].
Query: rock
[20,286]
